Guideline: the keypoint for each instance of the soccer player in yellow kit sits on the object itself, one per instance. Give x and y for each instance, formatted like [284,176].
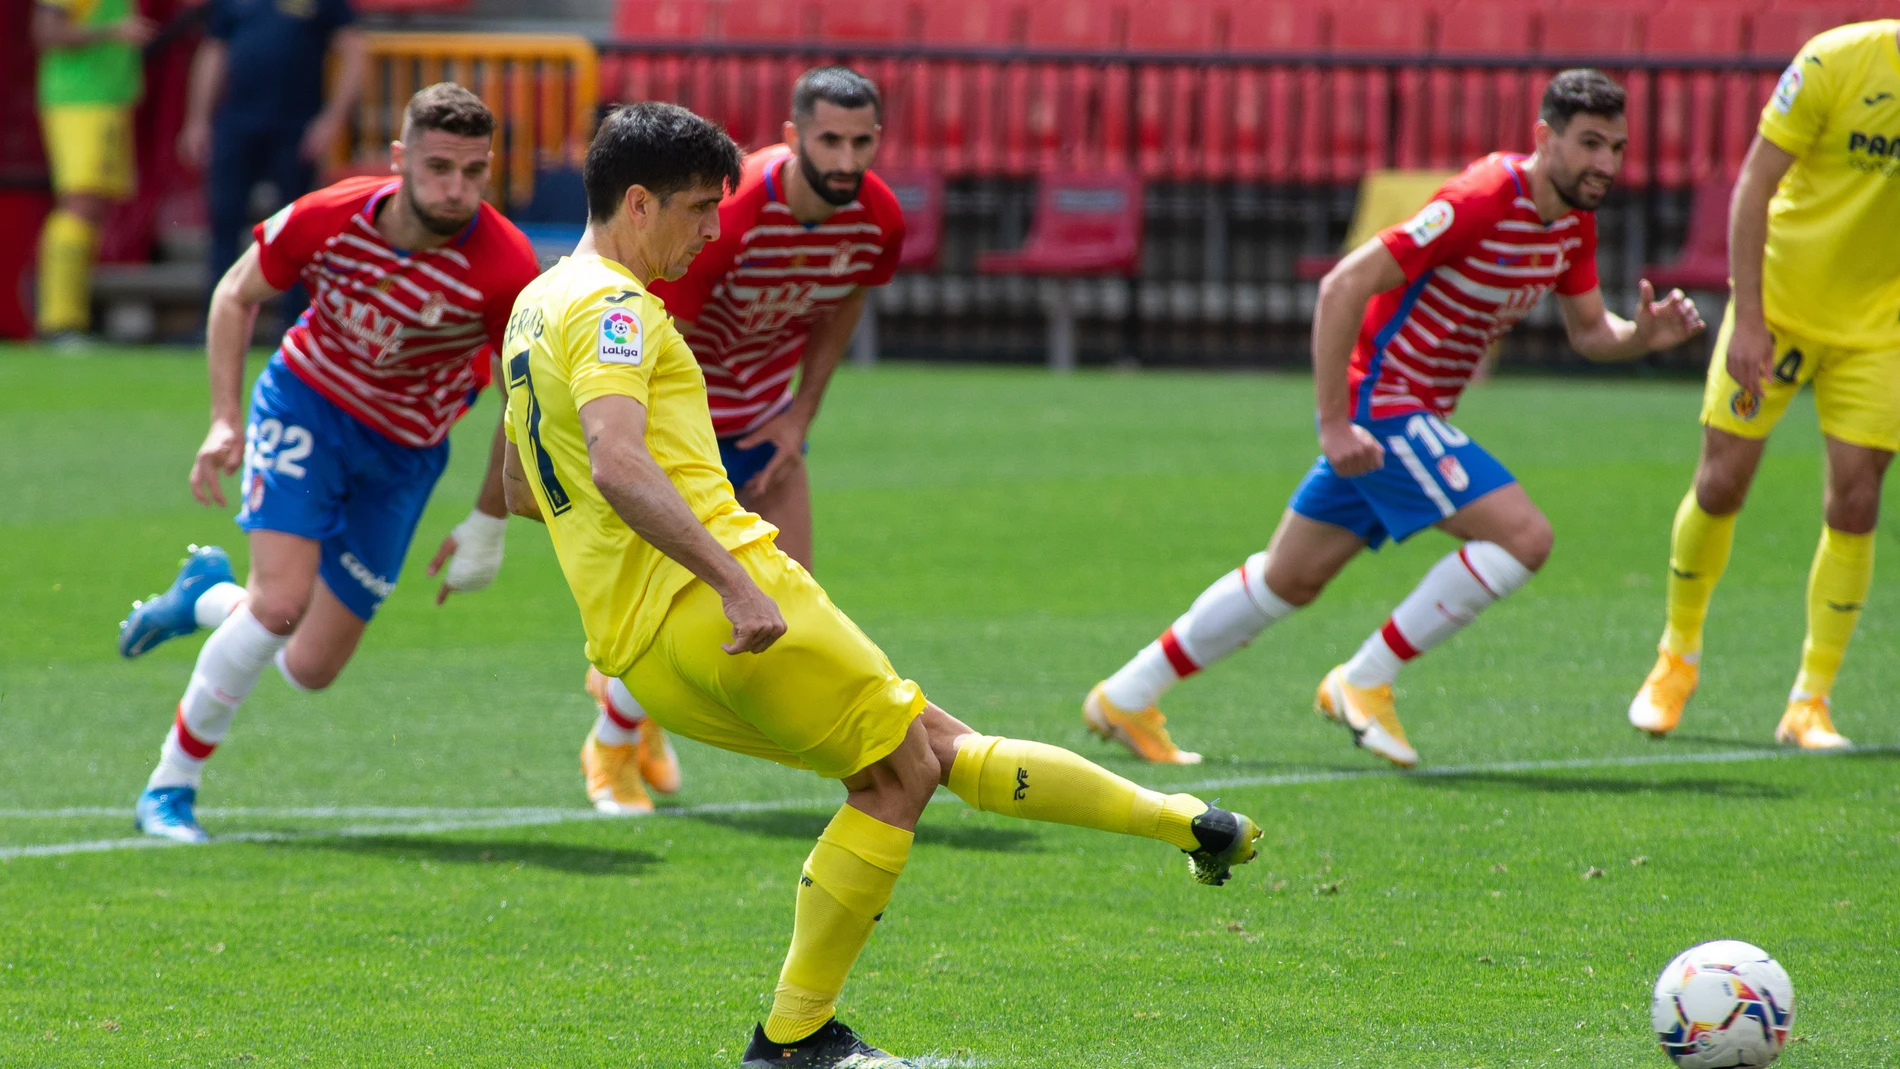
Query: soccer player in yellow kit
[719,634]
[1814,259]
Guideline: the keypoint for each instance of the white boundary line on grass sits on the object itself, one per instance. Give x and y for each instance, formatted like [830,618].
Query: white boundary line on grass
[425,820]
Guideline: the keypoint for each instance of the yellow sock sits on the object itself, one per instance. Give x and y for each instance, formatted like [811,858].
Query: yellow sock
[65,269]
[1837,585]
[1040,782]
[846,884]
[1698,552]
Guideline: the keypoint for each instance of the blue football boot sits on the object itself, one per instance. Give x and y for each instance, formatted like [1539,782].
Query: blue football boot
[174,613]
[165,812]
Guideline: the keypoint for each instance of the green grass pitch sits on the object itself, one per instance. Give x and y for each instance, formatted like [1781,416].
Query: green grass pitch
[1009,538]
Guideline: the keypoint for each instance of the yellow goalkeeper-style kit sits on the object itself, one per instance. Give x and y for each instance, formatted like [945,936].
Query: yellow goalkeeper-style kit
[823,697]
[1831,269]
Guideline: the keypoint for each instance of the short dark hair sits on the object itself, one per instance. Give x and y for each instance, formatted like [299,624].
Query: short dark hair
[663,147]
[1580,90]
[451,109]
[834,85]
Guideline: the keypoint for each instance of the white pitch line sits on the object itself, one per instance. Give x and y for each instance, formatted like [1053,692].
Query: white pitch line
[447,820]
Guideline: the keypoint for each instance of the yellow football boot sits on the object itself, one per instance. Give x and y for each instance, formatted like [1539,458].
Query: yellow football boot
[613,778]
[1809,725]
[653,754]
[1657,708]
[1368,713]
[1144,733]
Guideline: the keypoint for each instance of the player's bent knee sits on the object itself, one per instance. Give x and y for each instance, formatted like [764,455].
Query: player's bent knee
[279,613]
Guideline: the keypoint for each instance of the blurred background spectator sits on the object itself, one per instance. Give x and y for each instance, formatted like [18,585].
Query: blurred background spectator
[89,80]
[256,111]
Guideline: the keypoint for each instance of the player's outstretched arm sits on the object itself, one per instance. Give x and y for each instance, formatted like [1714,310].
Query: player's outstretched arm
[646,500]
[1367,271]
[1602,335]
[227,338]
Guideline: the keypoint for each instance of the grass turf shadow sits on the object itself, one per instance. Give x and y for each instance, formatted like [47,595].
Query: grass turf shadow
[578,860]
[807,826]
[1704,785]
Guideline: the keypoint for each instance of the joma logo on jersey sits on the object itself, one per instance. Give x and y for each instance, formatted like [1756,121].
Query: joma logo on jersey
[777,306]
[1874,144]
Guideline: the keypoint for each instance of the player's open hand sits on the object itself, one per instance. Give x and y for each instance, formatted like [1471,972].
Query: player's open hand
[756,622]
[221,453]
[787,431]
[1751,352]
[1350,449]
[1667,323]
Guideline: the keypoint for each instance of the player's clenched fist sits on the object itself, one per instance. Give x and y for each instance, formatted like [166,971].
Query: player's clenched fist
[756,622]
[221,453]
[1350,449]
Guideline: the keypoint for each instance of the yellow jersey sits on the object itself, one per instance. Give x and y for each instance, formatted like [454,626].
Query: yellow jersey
[586,329]
[1832,268]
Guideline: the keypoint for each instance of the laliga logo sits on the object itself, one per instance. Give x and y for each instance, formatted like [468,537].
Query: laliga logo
[620,339]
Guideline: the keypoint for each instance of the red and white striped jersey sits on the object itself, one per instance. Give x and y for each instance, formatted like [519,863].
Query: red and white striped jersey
[398,339]
[1477,259]
[753,295]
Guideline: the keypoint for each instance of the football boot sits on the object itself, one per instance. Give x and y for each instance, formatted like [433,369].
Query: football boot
[174,613]
[653,754]
[1809,725]
[1145,733]
[166,813]
[1657,708]
[1227,839]
[833,1046]
[1368,713]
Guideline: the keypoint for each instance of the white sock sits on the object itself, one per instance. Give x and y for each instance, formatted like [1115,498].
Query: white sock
[228,667]
[619,723]
[1450,596]
[1224,618]
[217,603]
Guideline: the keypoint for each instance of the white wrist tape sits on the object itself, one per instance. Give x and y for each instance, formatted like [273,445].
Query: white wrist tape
[478,545]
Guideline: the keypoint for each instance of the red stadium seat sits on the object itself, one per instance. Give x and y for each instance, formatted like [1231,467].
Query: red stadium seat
[1780,31]
[1703,262]
[1269,122]
[1703,118]
[758,89]
[919,192]
[1068,116]
[1166,98]
[662,20]
[1360,121]
[1472,112]
[1085,224]
[958,121]
[854,21]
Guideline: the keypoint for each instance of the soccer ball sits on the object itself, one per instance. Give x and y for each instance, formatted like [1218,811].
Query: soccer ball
[1723,1005]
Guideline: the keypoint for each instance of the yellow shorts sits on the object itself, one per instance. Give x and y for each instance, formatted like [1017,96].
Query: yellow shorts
[1856,391]
[823,697]
[90,148]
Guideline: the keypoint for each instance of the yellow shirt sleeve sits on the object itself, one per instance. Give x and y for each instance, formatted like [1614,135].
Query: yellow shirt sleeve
[607,346]
[1797,112]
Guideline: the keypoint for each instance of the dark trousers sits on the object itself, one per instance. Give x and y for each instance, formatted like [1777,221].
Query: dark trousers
[240,159]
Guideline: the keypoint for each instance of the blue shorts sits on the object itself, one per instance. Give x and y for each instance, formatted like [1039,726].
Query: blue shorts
[743,464]
[315,471]
[1432,470]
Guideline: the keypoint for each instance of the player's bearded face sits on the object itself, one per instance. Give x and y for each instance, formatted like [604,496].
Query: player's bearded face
[835,148]
[1585,158]
[443,178]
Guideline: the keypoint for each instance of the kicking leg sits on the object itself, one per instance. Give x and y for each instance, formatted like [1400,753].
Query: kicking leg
[1301,559]
[1837,586]
[1506,539]
[283,571]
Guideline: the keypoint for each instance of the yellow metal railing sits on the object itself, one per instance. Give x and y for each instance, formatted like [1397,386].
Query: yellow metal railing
[543,89]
